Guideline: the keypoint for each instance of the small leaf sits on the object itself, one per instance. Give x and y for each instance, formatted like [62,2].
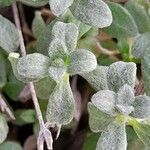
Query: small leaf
[92,12]
[60,109]
[141,43]
[121,73]
[38,24]
[113,138]
[9,145]
[98,121]
[9,38]
[81,61]
[34,3]
[3,128]
[4,3]
[97,78]
[33,67]
[67,33]
[105,101]
[141,107]
[58,7]
[123,23]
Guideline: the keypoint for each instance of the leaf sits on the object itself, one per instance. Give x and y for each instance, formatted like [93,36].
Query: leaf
[81,61]
[44,87]
[104,100]
[3,128]
[123,24]
[121,73]
[125,99]
[34,3]
[143,132]
[10,145]
[141,43]
[98,121]
[58,7]
[97,78]
[9,38]
[3,76]
[139,14]
[4,3]
[67,33]
[113,138]
[141,107]
[60,109]
[33,67]
[92,12]
[38,24]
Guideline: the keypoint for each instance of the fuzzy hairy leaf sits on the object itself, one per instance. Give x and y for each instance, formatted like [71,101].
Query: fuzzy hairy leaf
[97,78]
[92,12]
[3,128]
[33,67]
[139,14]
[81,61]
[141,107]
[9,38]
[123,23]
[105,101]
[38,24]
[60,109]
[58,7]
[67,33]
[113,138]
[98,121]
[121,73]
[141,43]
[4,3]
[9,145]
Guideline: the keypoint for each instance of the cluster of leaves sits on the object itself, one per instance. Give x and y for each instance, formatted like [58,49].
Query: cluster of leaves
[58,56]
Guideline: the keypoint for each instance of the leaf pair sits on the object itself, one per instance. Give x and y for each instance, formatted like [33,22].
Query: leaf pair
[109,111]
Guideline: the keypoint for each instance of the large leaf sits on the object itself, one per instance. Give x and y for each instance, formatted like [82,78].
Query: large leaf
[60,109]
[97,78]
[98,120]
[139,14]
[4,3]
[92,12]
[123,23]
[81,61]
[105,101]
[58,7]
[113,138]
[9,145]
[9,38]
[121,73]
[3,128]
[141,107]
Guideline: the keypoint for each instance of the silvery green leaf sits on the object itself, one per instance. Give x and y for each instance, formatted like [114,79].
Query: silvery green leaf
[105,101]
[3,128]
[141,43]
[9,145]
[141,107]
[44,87]
[97,78]
[81,61]
[38,24]
[125,99]
[139,14]
[57,49]
[123,24]
[57,70]
[60,109]
[98,121]
[58,7]
[9,38]
[67,33]
[4,3]
[121,73]
[113,138]
[92,12]
[34,3]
